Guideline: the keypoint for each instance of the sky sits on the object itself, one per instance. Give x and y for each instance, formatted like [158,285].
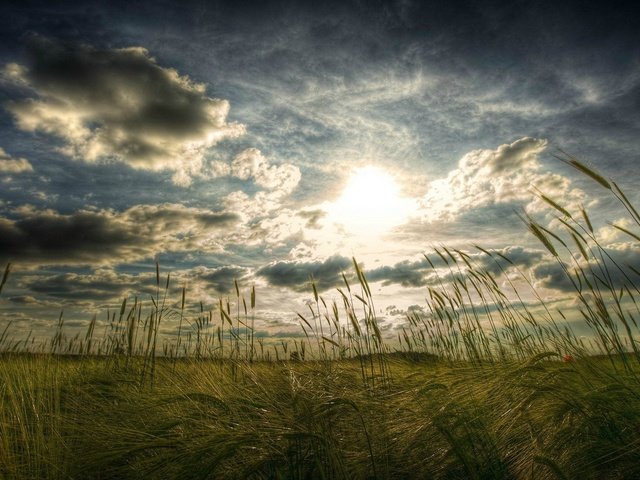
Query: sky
[269,142]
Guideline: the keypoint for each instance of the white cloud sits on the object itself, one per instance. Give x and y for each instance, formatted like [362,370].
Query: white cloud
[608,234]
[249,207]
[266,222]
[119,104]
[504,175]
[277,181]
[285,225]
[250,163]
[13,165]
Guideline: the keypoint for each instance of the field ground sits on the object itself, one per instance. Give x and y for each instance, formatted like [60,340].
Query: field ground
[90,417]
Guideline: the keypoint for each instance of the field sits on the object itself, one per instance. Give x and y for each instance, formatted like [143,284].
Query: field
[482,386]
[65,417]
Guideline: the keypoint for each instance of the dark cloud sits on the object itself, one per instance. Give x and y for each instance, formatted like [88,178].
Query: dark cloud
[613,268]
[296,275]
[505,258]
[407,274]
[119,104]
[552,275]
[105,236]
[97,287]
[170,217]
[109,285]
[45,236]
[418,273]
[222,278]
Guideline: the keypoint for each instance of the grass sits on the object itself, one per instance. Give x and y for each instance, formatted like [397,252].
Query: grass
[484,385]
[68,417]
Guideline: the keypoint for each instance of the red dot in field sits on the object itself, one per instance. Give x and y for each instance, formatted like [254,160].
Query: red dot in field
[567,358]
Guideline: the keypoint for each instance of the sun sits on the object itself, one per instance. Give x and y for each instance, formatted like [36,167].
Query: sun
[370,204]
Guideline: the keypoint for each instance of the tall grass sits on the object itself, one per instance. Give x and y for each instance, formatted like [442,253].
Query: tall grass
[486,383]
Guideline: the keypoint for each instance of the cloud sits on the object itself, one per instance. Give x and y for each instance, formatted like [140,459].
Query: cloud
[296,275]
[14,74]
[312,217]
[518,256]
[106,236]
[119,104]
[552,275]
[263,210]
[613,268]
[221,278]
[265,219]
[490,177]
[608,234]
[102,285]
[250,163]
[394,311]
[277,181]
[23,300]
[13,165]
[407,274]
[106,284]
[418,273]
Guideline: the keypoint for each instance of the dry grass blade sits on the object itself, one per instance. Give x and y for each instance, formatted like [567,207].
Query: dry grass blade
[224,315]
[505,258]
[625,201]
[305,321]
[314,288]
[624,230]
[590,173]
[332,342]
[553,204]
[361,278]
[440,254]
[578,243]
[535,229]
[7,270]
[587,220]
[426,257]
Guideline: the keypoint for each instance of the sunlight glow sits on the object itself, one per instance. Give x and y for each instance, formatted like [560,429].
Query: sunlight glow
[370,203]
